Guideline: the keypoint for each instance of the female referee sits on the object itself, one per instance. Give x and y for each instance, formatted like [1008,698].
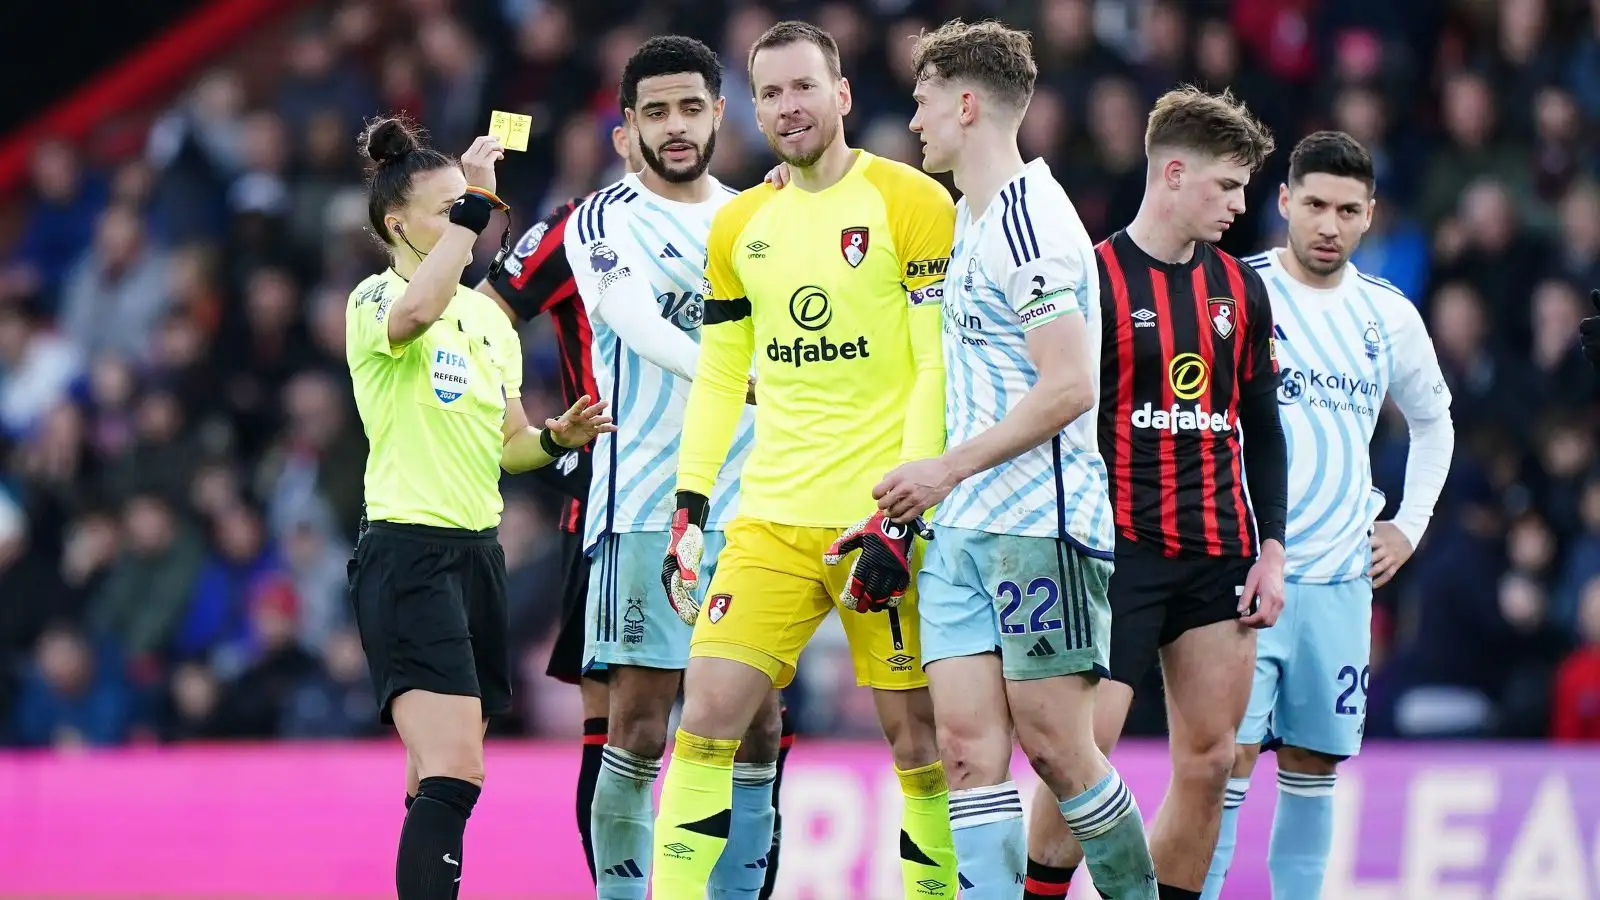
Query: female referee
[437,371]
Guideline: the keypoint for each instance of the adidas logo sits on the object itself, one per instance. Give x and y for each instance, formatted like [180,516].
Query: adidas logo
[625,869]
[758,864]
[671,252]
[1042,647]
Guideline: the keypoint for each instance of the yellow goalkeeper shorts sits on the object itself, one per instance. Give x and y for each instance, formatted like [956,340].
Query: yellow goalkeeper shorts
[771,591]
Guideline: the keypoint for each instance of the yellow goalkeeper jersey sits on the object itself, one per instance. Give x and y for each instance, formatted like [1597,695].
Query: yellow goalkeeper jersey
[835,295]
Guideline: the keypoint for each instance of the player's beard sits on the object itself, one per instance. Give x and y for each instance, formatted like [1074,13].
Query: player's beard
[1315,266]
[702,161]
[809,158]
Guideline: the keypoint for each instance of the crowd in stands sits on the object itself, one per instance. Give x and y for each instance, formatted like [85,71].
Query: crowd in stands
[181,464]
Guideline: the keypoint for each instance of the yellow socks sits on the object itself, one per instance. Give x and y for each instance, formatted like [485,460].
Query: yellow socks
[927,851]
[696,809]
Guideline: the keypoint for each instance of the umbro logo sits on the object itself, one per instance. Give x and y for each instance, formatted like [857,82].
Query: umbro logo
[758,249]
[900,662]
[679,851]
[1042,647]
[625,869]
[1144,318]
[930,886]
[670,252]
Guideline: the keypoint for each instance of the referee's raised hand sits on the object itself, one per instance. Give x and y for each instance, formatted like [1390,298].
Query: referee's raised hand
[581,424]
[478,162]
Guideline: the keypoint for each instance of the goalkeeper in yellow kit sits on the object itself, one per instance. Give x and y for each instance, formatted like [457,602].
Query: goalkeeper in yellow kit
[832,286]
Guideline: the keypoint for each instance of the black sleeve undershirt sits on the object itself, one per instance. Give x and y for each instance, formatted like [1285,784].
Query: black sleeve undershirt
[1266,463]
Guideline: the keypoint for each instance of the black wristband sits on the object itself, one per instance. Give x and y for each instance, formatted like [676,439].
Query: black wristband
[472,211]
[547,443]
[696,505]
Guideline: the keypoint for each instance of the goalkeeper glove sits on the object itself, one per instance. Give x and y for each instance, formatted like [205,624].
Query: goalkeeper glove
[680,571]
[880,575]
[1589,332]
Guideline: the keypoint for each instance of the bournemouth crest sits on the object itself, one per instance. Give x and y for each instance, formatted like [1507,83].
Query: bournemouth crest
[853,244]
[1223,315]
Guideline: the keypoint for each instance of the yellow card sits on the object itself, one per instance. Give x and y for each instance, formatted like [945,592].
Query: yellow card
[512,129]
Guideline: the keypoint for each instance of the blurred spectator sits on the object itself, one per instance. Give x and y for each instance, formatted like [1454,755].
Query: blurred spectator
[1579,249]
[60,224]
[148,588]
[217,625]
[71,698]
[317,80]
[335,700]
[195,150]
[255,702]
[1473,149]
[36,368]
[114,297]
[1576,704]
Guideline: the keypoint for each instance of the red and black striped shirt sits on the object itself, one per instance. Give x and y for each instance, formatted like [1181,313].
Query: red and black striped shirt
[1187,356]
[537,280]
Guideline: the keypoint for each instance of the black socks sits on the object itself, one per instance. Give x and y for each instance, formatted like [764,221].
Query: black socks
[594,745]
[428,866]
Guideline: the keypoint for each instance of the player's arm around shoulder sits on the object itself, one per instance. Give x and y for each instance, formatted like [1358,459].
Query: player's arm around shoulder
[922,222]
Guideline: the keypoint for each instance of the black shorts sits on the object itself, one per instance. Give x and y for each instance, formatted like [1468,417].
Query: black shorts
[430,604]
[1156,598]
[566,655]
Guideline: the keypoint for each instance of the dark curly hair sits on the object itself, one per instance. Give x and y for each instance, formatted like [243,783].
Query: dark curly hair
[1331,153]
[669,55]
[396,147]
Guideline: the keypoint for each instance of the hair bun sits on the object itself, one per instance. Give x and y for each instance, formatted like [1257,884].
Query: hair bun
[388,139]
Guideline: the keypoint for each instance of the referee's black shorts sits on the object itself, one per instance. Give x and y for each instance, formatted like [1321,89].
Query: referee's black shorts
[1156,598]
[430,604]
[566,656]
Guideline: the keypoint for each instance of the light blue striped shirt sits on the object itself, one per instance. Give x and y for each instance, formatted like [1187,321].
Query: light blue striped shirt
[1341,351]
[1024,261]
[624,238]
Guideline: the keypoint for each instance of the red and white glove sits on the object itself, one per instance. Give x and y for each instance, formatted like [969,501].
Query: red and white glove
[680,571]
[881,573]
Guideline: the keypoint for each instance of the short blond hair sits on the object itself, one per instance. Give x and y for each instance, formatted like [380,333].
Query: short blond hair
[987,54]
[1217,125]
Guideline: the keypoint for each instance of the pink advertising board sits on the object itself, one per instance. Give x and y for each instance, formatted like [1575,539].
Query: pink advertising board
[1460,822]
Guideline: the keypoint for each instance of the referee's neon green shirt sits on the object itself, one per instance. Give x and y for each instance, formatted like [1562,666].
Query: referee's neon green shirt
[433,409]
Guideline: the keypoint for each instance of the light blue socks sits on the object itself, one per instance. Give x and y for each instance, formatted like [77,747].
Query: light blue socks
[1227,838]
[991,847]
[623,823]
[1302,835]
[1105,819]
[742,869]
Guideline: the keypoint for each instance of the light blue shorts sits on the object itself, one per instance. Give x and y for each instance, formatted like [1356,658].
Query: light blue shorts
[1040,601]
[629,620]
[1310,686]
